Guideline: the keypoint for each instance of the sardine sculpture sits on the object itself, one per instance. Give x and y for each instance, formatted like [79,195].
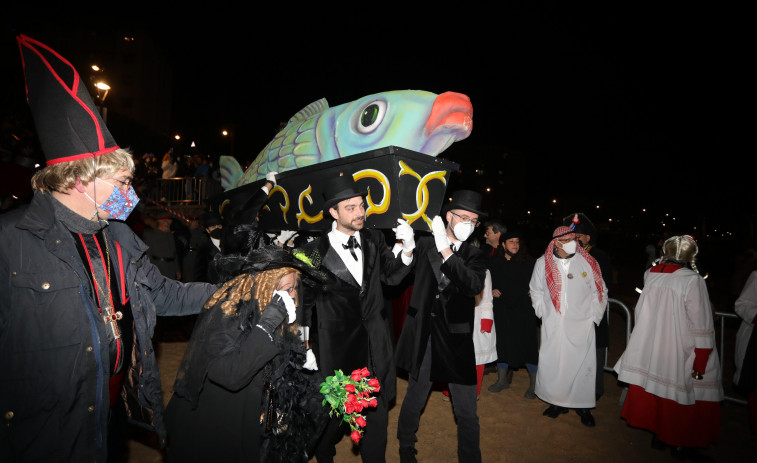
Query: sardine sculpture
[412,119]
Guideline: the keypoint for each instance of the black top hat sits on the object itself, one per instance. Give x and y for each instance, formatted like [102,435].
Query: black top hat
[466,200]
[211,218]
[68,124]
[339,189]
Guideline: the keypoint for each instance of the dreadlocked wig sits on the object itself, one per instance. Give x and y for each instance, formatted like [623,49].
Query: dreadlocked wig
[267,281]
[244,287]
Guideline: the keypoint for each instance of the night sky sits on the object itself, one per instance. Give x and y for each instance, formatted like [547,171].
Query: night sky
[615,101]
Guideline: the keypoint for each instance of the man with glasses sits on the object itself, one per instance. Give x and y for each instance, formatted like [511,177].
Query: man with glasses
[569,296]
[79,300]
[436,343]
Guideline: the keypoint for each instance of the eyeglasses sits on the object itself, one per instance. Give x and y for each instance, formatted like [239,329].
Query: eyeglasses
[465,218]
[123,183]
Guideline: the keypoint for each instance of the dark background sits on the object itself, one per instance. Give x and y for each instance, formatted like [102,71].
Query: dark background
[631,112]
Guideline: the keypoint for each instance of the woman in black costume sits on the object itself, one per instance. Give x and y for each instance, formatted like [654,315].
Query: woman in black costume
[241,393]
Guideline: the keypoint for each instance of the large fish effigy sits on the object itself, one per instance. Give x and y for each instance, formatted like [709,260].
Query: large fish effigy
[416,120]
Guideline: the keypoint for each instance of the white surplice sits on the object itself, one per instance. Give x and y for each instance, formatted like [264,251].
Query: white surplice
[672,318]
[485,344]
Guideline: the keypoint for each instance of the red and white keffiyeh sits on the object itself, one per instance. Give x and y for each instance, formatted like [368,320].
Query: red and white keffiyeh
[554,283]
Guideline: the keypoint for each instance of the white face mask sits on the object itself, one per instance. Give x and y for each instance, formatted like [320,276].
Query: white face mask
[569,247]
[462,230]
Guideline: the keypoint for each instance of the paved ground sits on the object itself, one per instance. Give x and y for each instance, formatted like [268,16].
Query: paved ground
[512,427]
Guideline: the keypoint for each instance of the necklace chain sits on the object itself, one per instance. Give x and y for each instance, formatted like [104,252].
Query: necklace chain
[111,316]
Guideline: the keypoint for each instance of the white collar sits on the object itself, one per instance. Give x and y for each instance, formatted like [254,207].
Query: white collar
[342,237]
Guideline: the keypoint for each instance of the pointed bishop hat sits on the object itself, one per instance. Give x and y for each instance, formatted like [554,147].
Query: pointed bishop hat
[68,124]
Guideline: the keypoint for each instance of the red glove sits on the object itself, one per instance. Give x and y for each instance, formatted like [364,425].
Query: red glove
[486,325]
[700,359]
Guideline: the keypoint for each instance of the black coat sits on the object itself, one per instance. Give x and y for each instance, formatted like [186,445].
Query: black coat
[444,311]
[214,414]
[54,357]
[514,317]
[349,329]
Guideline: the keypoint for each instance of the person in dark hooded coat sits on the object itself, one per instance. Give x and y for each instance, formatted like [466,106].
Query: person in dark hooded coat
[245,355]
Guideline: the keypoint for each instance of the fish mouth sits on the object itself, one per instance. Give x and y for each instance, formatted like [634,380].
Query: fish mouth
[450,120]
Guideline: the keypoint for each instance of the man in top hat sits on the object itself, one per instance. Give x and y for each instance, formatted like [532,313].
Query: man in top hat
[349,329]
[436,343]
[79,304]
[240,232]
[569,296]
[587,235]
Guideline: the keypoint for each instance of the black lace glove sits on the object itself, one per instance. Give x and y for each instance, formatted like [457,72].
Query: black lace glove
[273,315]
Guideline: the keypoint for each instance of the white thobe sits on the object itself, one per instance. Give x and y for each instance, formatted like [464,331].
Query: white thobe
[567,354]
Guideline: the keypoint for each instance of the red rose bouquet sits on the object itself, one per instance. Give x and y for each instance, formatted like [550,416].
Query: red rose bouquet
[348,396]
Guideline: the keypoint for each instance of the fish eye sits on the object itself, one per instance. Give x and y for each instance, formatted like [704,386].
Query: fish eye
[371,116]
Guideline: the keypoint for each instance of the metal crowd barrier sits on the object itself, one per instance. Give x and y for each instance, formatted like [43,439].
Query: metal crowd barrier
[722,316]
[629,326]
[182,190]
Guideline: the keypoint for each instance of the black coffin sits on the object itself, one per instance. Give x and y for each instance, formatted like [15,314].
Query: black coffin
[400,183]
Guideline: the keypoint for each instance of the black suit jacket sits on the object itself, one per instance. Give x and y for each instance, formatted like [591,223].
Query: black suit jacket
[443,309]
[348,329]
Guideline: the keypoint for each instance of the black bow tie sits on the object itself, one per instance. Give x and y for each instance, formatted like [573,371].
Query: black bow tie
[351,245]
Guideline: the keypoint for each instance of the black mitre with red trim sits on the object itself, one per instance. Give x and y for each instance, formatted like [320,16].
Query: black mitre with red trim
[68,124]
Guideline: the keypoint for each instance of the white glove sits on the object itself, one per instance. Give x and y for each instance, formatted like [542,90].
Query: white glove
[288,303]
[403,231]
[440,234]
[285,236]
[396,249]
[271,177]
[310,362]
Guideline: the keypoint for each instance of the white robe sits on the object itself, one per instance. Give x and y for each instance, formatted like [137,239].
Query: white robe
[672,317]
[746,308]
[485,344]
[567,355]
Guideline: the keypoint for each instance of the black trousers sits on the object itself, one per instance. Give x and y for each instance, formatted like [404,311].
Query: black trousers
[463,404]
[373,443]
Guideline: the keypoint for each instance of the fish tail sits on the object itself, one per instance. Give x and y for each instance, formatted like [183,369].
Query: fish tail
[231,172]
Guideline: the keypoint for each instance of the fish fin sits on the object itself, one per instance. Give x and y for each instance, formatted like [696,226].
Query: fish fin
[231,172]
[310,110]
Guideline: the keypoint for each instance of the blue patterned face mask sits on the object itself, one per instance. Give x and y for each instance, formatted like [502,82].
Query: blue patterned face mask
[120,203]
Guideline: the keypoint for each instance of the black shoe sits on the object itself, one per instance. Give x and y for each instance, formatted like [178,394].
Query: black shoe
[690,454]
[586,418]
[553,411]
[407,455]
[657,444]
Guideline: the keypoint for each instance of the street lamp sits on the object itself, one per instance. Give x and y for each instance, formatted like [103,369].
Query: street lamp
[102,86]
[230,135]
[101,91]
